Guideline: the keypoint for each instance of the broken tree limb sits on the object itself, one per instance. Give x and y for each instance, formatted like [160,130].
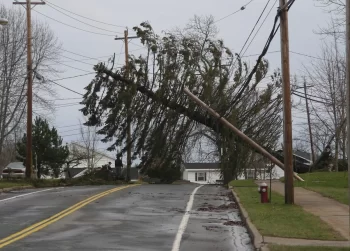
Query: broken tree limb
[251,142]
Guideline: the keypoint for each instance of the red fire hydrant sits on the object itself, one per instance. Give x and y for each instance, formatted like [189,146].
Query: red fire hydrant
[264,197]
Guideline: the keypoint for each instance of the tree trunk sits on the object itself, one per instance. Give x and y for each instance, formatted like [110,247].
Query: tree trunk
[39,172]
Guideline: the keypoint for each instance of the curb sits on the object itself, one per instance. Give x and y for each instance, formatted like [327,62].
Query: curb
[257,238]
[6,190]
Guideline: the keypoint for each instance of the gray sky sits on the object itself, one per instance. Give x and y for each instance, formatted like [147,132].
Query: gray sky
[305,18]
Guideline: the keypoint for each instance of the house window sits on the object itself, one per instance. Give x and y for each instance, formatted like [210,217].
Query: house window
[201,176]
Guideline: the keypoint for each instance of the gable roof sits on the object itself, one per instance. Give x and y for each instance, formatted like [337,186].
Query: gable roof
[302,154]
[96,152]
[195,166]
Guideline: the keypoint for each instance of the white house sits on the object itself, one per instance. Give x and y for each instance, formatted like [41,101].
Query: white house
[97,159]
[209,173]
[202,173]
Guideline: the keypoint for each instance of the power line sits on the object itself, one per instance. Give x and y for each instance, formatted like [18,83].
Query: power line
[76,68]
[86,17]
[254,27]
[51,6]
[76,76]
[260,27]
[317,101]
[65,87]
[263,53]
[301,93]
[96,33]
[241,9]
[136,44]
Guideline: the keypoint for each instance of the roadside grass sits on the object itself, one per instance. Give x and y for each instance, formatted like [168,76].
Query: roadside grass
[10,184]
[333,185]
[306,248]
[40,183]
[279,220]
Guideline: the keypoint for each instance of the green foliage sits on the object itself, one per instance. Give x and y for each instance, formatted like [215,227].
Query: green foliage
[49,154]
[163,117]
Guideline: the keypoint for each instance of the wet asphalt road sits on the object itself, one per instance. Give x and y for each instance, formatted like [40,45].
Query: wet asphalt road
[143,218]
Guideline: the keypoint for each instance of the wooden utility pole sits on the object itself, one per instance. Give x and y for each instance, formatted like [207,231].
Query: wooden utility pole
[348,90]
[287,108]
[29,151]
[239,133]
[128,119]
[309,123]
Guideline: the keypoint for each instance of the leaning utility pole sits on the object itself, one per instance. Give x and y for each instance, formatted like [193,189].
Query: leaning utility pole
[128,119]
[287,108]
[348,90]
[309,123]
[29,151]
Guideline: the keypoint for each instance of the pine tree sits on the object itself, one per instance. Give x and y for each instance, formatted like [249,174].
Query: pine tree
[49,153]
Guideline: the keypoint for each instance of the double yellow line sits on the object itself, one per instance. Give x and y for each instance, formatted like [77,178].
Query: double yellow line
[42,224]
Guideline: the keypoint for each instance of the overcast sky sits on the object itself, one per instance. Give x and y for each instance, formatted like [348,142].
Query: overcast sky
[305,18]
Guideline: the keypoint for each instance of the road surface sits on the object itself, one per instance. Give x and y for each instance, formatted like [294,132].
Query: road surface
[146,217]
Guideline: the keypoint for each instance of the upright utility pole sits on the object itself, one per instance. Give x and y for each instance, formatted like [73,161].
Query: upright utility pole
[287,108]
[29,151]
[348,90]
[309,123]
[128,119]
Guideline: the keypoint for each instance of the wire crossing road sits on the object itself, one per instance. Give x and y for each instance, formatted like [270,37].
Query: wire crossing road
[147,217]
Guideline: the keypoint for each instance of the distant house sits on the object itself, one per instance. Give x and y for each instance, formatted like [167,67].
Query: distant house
[97,160]
[202,173]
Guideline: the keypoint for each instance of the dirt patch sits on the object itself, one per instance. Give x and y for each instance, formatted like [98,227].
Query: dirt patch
[234,223]
[211,228]
[210,208]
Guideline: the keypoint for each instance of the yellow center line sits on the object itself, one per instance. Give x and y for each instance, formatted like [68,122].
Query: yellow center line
[42,224]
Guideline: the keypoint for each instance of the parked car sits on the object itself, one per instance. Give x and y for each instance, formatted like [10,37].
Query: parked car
[14,170]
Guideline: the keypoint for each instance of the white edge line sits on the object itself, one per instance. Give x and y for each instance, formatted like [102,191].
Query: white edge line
[26,194]
[184,221]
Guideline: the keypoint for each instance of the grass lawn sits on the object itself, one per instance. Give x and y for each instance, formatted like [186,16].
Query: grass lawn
[303,248]
[330,184]
[8,184]
[280,220]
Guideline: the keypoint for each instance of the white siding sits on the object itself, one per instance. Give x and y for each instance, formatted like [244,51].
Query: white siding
[211,175]
[276,173]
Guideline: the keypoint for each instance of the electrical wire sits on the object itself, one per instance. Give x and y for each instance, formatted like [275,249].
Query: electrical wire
[241,9]
[92,32]
[70,66]
[86,17]
[76,76]
[263,11]
[317,101]
[51,6]
[253,55]
[301,93]
[267,45]
[259,28]
[65,87]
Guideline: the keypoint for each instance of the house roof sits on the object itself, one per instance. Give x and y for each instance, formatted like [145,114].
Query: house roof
[202,166]
[302,154]
[97,152]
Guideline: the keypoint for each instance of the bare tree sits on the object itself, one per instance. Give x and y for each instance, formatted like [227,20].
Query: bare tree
[329,80]
[76,156]
[90,140]
[13,80]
